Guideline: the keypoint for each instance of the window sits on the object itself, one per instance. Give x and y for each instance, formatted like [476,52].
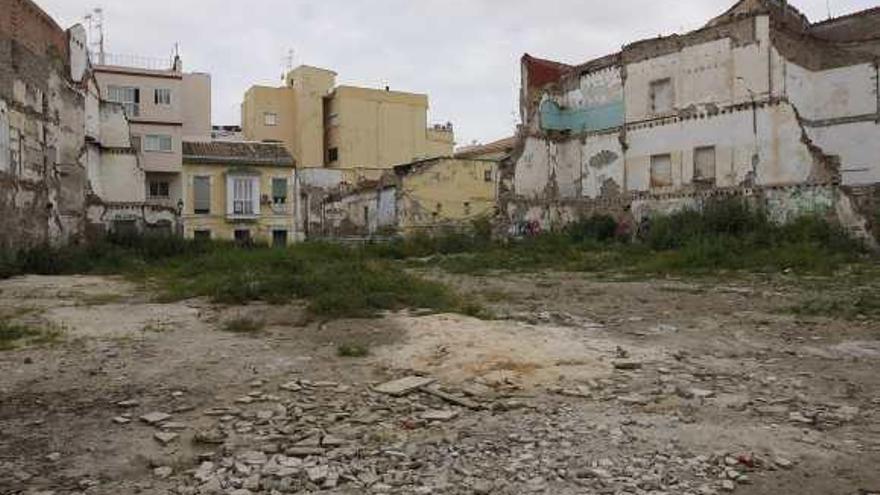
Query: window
[662,97]
[158,142]
[487,176]
[333,155]
[159,189]
[162,96]
[279,238]
[130,98]
[242,236]
[279,191]
[202,235]
[704,164]
[661,170]
[136,143]
[244,196]
[201,195]
[270,118]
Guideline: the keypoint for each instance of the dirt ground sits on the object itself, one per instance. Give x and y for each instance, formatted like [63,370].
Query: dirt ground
[581,385]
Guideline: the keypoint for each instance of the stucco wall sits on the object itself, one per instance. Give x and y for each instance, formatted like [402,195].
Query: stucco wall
[196,107]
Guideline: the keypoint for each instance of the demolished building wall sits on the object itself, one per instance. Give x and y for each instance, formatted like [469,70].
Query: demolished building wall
[42,129]
[748,105]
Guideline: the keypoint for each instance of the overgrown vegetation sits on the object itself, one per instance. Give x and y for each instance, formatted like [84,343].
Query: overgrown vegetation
[727,235]
[13,335]
[339,281]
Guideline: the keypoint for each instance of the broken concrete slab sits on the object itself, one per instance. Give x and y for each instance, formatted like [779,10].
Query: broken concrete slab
[403,386]
[155,418]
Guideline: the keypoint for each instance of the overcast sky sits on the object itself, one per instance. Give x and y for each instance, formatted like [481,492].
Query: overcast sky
[463,53]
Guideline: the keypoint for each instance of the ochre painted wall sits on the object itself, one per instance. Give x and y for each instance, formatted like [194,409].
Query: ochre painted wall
[271,217]
[446,192]
[259,100]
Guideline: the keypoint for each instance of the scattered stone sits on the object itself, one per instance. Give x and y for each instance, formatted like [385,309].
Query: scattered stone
[783,463]
[440,415]
[436,392]
[54,457]
[128,403]
[121,420]
[627,365]
[155,418]
[163,471]
[403,386]
[318,473]
[728,486]
[797,417]
[165,437]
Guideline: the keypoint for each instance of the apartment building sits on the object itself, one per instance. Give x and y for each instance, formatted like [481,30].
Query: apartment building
[164,106]
[324,125]
[238,191]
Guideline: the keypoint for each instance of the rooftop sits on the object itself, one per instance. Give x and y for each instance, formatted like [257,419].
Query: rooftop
[237,152]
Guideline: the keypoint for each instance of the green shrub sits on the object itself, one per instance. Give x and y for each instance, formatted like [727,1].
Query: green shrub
[352,350]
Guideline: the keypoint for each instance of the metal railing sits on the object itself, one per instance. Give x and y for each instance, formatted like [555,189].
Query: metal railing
[132,61]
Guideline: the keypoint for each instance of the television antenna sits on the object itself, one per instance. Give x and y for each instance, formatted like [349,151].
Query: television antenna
[287,62]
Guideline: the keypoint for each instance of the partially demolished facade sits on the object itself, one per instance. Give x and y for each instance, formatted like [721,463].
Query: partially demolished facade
[759,103]
[42,128]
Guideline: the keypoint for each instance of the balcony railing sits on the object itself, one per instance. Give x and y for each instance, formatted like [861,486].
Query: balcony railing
[132,61]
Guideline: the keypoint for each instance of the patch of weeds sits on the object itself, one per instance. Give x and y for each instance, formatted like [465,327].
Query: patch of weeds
[352,350]
[861,304]
[244,325]
[14,335]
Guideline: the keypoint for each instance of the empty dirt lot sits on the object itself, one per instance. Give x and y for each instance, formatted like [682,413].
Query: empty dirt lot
[580,385]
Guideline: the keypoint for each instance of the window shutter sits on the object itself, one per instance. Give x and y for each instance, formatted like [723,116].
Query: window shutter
[255,194]
[202,194]
[230,183]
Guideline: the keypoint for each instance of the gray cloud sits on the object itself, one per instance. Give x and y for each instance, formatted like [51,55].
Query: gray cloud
[463,53]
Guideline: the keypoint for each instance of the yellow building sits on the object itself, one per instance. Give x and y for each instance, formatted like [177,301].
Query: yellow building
[445,192]
[343,127]
[238,191]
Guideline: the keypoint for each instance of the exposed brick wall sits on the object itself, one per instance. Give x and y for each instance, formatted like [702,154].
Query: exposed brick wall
[25,22]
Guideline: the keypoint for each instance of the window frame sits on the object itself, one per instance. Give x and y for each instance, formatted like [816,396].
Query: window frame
[149,140]
[283,199]
[165,98]
[127,96]
[652,95]
[706,179]
[158,195]
[244,196]
[270,122]
[655,158]
[333,155]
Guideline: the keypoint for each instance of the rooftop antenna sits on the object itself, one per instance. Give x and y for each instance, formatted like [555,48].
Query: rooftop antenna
[95,18]
[288,63]
[828,3]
